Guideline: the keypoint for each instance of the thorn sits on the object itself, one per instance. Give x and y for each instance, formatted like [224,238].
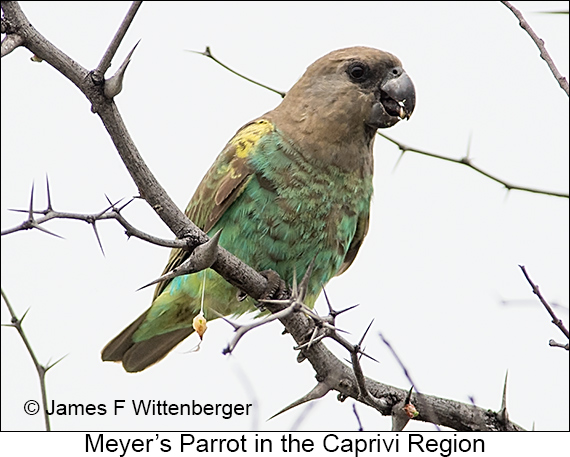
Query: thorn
[336,313]
[312,340]
[54,363]
[503,414]
[409,396]
[49,207]
[402,151]
[320,390]
[468,146]
[331,310]
[98,239]
[23,316]
[205,254]
[201,258]
[295,289]
[205,53]
[275,302]
[224,318]
[364,336]
[118,210]
[170,275]
[111,206]
[47,231]
[31,210]
[24,211]
[114,84]
[369,356]
[362,353]
[402,412]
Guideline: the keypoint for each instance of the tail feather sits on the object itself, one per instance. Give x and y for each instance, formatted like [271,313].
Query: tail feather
[138,356]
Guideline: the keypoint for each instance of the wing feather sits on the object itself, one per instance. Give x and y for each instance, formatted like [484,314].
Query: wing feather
[223,183]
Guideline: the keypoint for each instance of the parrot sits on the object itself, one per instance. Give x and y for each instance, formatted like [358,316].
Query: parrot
[291,188]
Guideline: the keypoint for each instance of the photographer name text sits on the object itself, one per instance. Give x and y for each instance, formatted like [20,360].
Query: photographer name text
[150,408]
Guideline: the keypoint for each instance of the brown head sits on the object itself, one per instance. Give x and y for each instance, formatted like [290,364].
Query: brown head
[332,113]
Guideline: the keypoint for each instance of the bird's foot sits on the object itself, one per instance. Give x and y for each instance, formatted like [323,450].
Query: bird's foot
[276,288]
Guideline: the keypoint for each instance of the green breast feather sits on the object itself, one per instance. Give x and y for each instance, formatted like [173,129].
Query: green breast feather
[277,211]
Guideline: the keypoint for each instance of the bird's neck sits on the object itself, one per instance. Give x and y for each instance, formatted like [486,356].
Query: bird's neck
[322,142]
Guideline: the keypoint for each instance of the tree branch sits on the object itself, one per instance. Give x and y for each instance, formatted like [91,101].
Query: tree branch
[467,162]
[208,53]
[42,370]
[555,320]
[105,63]
[227,265]
[542,48]
[340,377]
[108,214]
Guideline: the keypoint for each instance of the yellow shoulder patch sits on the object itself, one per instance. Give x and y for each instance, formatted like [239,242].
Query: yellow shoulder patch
[246,138]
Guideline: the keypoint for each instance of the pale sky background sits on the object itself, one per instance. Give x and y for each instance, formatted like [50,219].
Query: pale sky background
[444,243]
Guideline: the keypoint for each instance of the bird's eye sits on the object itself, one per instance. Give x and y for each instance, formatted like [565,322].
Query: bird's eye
[358,71]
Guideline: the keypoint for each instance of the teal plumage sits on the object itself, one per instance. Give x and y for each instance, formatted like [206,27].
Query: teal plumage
[292,186]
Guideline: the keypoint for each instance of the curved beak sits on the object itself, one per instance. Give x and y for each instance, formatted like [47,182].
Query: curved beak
[398,95]
[395,100]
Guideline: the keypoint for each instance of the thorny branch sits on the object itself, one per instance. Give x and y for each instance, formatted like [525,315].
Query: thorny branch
[105,63]
[540,44]
[467,162]
[227,265]
[349,381]
[112,212]
[41,369]
[208,53]
[305,326]
[555,320]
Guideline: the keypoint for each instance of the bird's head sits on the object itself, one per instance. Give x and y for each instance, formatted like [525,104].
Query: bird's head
[343,98]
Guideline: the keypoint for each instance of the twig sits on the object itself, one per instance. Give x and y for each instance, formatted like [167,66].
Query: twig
[555,344]
[105,63]
[10,42]
[467,162]
[540,44]
[17,324]
[208,53]
[111,213]
[360,428]
[241,330]
[536,291]
[365,394]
